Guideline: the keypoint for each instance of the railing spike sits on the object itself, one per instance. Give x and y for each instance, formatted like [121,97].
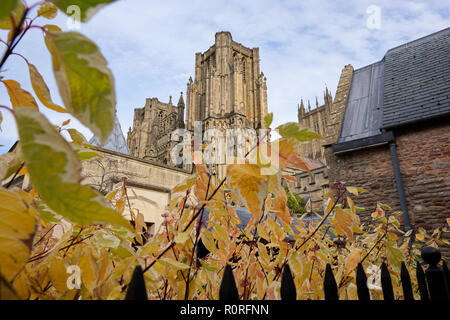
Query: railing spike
[136,288]
[386,283]
[446,274]
[406,283]
[329,285]
[423,290]
[435,276]
[361,283]
[287,289]
[228,290]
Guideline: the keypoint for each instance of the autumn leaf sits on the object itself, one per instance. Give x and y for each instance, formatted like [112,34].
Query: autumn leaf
[248,183]
[43,145]
[18,96]
[268,120]
[173,263]
[296,131]
[280,208]
[85,83]
[18,223]
[47,10]
[42,91]
[352,261]
[344,222]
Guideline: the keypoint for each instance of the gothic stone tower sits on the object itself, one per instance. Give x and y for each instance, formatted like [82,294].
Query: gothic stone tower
[229,88]
[229,91]
[152,127]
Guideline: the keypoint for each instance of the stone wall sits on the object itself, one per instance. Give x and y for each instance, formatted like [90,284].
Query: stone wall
[424,160]
[151,182]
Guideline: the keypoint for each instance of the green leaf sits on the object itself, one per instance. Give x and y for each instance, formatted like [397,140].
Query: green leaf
[268,120]
[86,155]
[10,7]
[54,171]
[85,83]
[106,239]
[87,7]
[77,137]
[295,130]
[7,7]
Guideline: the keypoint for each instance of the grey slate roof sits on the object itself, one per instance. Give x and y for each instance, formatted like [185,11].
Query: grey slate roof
[116,140]
[363,113]
[411,83]
[417,80]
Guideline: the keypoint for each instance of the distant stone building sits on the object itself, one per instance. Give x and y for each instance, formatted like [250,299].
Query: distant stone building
[325,120]
[153,125]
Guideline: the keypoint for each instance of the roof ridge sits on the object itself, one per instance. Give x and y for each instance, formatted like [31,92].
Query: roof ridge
[421,39]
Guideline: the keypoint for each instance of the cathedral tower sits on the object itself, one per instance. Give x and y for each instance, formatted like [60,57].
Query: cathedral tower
[228,90]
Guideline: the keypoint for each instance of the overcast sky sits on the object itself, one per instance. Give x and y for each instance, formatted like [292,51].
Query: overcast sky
[150,46]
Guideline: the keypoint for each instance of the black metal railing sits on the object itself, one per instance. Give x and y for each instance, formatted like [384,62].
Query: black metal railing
[433,284]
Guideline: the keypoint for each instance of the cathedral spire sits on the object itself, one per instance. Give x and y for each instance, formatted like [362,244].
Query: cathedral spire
[309,106]
[180,114]
[317,103]
[301,110]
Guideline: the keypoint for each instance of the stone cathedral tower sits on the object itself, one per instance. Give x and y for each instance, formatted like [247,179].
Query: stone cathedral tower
[228,90]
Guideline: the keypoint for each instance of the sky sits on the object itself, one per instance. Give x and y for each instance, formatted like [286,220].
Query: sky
[150,47]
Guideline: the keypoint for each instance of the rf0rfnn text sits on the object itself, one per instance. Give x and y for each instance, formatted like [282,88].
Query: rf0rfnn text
[231,309]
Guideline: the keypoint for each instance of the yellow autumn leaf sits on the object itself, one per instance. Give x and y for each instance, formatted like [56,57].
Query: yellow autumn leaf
[41,89]
[88,268]
[250,186]
[173,263]
[182,237]
[420,237]
[353,190]
[352,261]
[18,96]
[262,232]
[208,241]
[344,222]
[328,194]
[18,221]
[58,274]
[280,208]
[47,10]
[220,231]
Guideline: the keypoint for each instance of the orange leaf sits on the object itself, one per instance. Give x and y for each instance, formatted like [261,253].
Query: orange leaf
[18,96]
[344,221]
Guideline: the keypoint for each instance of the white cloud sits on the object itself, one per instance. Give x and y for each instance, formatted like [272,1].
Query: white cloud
[150,46]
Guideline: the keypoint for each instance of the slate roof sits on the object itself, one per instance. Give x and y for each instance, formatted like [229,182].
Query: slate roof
[116,140]
[417,80]
[411,83]
[363,113]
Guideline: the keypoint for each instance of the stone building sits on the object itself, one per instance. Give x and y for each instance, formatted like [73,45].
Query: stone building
[228,91]
[325,120]
[153,125]
[394,137]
